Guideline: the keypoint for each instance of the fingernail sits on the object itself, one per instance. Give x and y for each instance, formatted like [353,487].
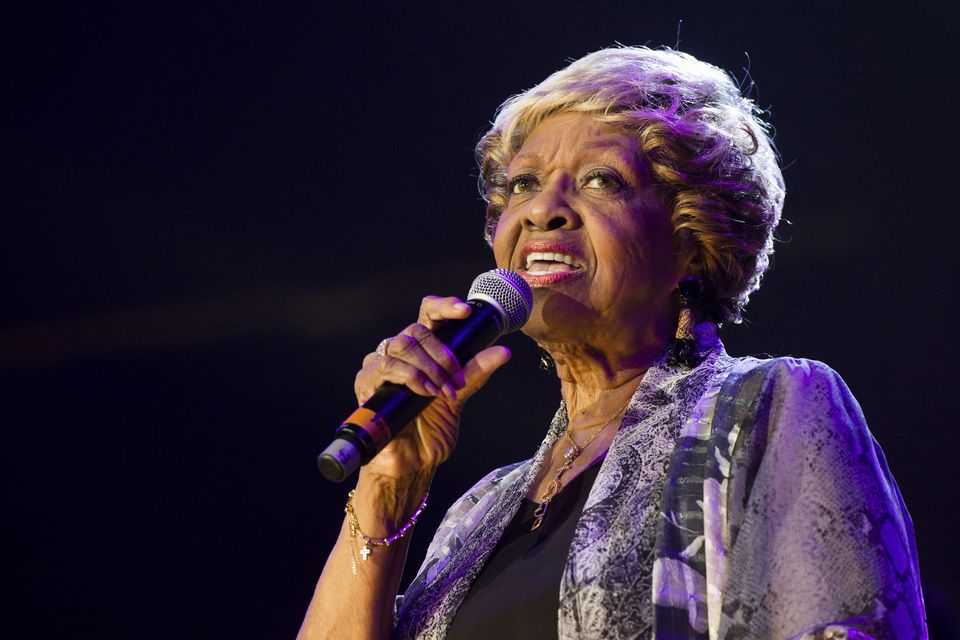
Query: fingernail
[449,390]
[431,388]
[459,380]
[462,306]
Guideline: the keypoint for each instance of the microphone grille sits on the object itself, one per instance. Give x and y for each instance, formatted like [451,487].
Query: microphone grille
[506,290]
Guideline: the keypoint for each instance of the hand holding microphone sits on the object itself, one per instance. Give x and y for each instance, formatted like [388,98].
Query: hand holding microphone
[422,377]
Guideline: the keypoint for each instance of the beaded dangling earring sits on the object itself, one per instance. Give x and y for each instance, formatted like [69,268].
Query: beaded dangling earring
[683,347]
[546,362]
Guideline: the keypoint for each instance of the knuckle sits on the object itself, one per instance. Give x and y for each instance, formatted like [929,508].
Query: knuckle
[409,343]
[399,368]
[360,388]
[419,332]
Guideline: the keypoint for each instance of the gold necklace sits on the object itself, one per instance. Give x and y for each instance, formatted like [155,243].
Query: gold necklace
[569,457]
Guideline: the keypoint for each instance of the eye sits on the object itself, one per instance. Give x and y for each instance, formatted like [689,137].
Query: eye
[603,179]
[522,183]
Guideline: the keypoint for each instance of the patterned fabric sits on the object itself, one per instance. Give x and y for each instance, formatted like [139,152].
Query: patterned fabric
[740,499]
[824,546]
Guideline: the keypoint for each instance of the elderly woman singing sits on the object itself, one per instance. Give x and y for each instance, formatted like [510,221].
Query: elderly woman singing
[679,492]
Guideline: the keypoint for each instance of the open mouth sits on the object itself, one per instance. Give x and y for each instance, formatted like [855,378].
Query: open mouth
[545,262]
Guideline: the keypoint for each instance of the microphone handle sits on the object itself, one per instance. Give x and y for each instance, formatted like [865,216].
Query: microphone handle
[393,406]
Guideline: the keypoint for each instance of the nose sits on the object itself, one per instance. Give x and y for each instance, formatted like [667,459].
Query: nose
[550,209]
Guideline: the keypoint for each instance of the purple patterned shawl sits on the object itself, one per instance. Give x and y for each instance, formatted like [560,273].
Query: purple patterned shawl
[740,499]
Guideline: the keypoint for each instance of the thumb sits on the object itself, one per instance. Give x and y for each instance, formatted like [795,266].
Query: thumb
[482,366]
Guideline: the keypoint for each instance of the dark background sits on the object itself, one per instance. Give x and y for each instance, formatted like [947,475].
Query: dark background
[212,211]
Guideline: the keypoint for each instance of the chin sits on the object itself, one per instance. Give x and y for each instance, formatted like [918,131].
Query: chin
[557,318]
[535,327]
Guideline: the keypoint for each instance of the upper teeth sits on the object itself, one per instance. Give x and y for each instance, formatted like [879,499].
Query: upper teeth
[550,257]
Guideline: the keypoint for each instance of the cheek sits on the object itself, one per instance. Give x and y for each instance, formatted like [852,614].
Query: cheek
[654,231]
[640,252]
[661,242]
[504,242]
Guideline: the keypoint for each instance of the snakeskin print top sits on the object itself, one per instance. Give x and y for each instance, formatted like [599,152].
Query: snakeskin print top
[740,499]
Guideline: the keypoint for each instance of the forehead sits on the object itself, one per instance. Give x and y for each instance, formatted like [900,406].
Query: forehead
[572,136]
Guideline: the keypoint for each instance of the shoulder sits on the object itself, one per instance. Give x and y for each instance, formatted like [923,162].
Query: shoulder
[805,464]
[780,407]
[785,371]
[798,387]
[798,425]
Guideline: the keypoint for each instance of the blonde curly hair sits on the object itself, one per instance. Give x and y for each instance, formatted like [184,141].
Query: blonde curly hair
[709,153]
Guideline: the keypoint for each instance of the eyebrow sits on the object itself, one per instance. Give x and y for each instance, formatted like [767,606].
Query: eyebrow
[614,143]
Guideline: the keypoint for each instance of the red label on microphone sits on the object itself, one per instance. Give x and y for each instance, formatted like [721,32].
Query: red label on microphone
[371,422]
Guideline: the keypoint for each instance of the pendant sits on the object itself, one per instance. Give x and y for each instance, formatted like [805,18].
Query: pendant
[364,552]
[540,514]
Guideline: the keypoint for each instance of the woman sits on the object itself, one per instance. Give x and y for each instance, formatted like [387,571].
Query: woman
[679,493]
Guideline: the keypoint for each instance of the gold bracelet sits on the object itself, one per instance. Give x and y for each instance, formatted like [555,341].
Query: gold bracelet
[367,541]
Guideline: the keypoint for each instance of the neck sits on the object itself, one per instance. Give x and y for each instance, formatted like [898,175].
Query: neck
[595,387]
[599,371]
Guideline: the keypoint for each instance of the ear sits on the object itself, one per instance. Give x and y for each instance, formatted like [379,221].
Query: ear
[690,261]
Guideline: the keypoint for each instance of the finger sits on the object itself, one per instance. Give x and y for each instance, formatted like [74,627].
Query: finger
[394,370]
[439,353]
[434,310]
[406,347]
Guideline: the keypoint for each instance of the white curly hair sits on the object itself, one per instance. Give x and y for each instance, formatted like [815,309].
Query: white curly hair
[709,153]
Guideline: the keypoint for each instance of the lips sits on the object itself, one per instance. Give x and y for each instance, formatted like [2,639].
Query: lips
[544,263]
[552,261]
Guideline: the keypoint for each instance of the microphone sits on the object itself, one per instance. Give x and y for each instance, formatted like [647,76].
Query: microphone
[501,302]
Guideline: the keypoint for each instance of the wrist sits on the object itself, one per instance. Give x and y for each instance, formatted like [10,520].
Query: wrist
[383,504]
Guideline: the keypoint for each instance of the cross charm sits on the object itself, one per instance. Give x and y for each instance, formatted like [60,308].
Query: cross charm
[364,552]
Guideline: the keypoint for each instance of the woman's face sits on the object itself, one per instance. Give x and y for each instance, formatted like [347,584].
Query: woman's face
[585,229]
